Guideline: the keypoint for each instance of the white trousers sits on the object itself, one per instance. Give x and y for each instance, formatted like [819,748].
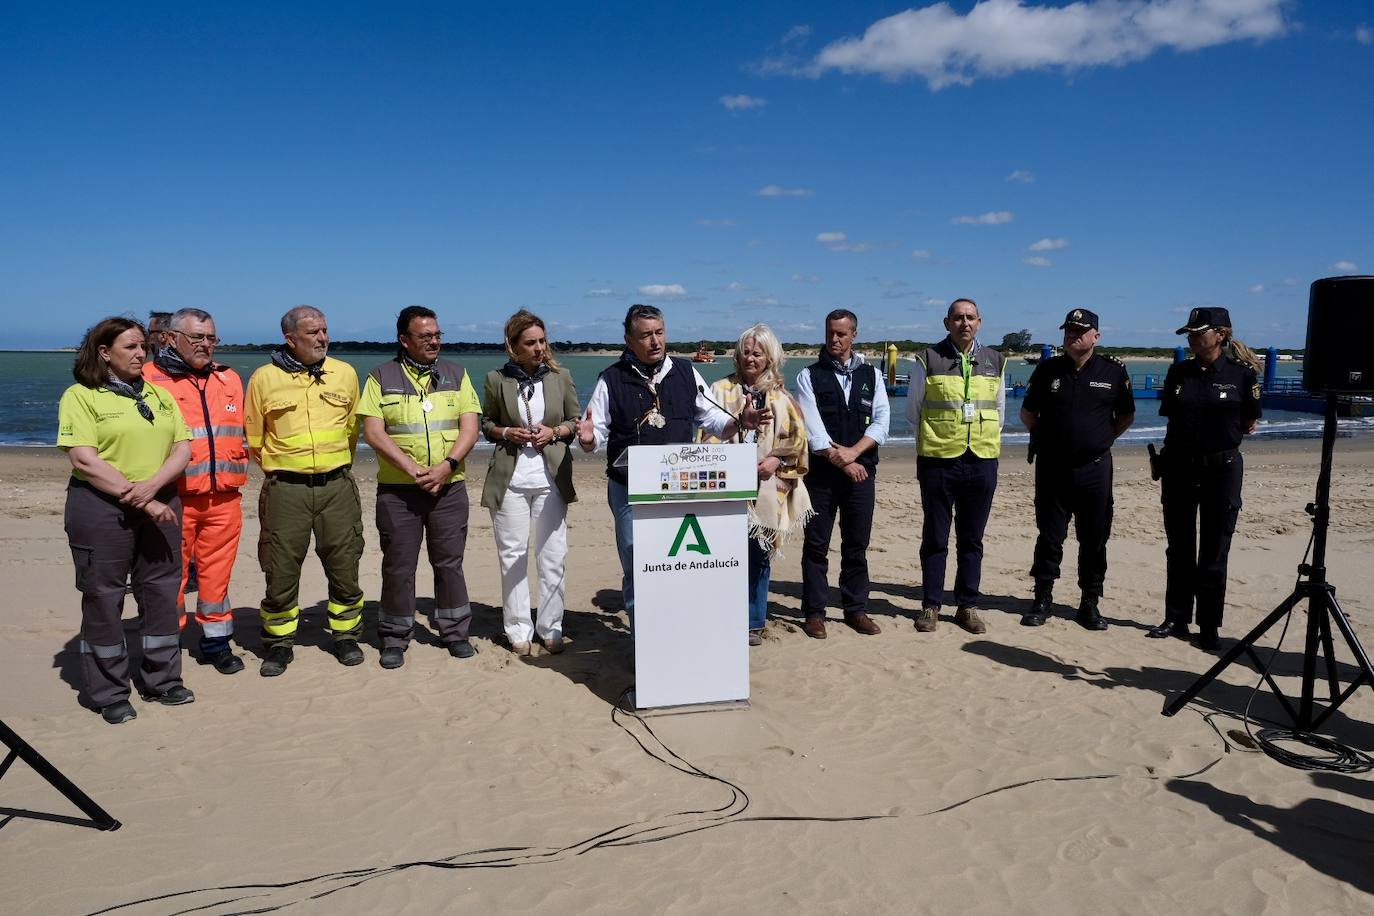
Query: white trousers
[511,524]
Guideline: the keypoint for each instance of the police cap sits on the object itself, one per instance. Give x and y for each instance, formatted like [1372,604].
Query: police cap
[1080,318]
[1200,319]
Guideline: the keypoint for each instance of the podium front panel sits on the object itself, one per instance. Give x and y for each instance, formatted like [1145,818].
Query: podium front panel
[691,621]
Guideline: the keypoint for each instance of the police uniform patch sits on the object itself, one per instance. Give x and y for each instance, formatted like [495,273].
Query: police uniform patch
[1054,385]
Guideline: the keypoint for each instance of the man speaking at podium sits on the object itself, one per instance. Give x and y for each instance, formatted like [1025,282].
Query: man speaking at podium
[648,398]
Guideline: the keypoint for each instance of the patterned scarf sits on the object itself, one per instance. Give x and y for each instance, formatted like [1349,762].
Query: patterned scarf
[855,361]
[135,391]
[646,370]
[169,360]
[284,359]
[526,380]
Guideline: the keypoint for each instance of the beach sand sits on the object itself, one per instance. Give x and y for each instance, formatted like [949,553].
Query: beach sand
[1028,770]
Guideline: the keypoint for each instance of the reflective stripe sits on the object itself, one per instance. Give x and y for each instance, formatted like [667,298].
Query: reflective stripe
[338,610]
[218,627]
[161,642]
[345,619]
[103,651]
[279,623]
[212,608]
[453,613]
[419,429]
[957,405]
[201,432]
[203,467]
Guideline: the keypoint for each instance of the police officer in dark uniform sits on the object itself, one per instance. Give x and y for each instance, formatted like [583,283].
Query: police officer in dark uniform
[1076,405]
[1211,401]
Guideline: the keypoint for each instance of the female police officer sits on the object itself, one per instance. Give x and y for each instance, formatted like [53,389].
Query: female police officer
[1210,401]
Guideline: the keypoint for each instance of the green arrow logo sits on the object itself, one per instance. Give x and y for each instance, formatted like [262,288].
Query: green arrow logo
[698,545]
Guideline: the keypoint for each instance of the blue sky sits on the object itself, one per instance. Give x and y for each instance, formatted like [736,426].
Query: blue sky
[731,163]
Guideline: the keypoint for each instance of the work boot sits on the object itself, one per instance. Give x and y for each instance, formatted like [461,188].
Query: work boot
[1169,628]
[928,619]
[172,696]
[348,652]
[1088,617]
[1041,606]
[278,657]
[1208,639]
[461,648]
[967,617]
[225,662]
[392,657]
[119,712]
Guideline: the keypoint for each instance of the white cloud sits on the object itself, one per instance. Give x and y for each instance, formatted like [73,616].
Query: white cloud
[1345,266]
[921,254]
[773,190]
[805,278]
[663,290]
[997,38]
[1364,35]
[991,218]
[742,102]
[933,301]
[1037,261]
[604,292]
[796,35]
[735,286]
[761,300]
[1257,288]
[716,223]
[1049,245]
[831,237]
[1022,176]
[838,241]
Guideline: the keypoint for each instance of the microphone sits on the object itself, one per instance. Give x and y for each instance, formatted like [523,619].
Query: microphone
[739,426]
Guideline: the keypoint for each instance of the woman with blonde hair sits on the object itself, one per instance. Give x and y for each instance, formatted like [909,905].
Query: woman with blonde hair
[1211,402]
[530,411]
[783,506]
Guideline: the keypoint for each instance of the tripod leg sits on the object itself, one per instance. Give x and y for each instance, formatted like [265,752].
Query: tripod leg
[1316,616]
[1333,682]
[20,748]
[1277,614]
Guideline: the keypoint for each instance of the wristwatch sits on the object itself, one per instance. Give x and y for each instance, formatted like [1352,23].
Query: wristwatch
[452,462]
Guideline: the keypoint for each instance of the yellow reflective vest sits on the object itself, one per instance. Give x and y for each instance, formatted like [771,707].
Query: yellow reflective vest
[427,436]
[944,431]
[295,422]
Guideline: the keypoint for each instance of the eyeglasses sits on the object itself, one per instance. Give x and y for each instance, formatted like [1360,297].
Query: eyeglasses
[210,339]
[426,338]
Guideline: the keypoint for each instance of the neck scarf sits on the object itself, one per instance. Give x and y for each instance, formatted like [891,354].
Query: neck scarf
[418,367]
[647,370]
[526,380]
[169,360]
[284,359]
[134,390]
[854,362]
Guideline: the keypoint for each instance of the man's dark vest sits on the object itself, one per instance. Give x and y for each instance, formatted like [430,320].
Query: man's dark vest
[392,378]
[631,400]
[845,422]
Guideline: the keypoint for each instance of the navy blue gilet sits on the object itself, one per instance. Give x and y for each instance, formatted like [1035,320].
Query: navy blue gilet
[630,402]
[845,421]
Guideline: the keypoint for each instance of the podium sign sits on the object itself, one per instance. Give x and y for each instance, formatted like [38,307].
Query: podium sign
[691,530]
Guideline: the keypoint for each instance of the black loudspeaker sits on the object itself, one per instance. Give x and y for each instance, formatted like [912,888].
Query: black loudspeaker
[1339,357]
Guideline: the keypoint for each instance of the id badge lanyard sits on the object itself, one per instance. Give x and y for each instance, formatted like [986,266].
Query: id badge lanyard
[966,367]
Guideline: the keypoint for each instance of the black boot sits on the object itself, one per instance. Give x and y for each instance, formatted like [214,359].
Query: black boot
[1088,617]
[1041,605]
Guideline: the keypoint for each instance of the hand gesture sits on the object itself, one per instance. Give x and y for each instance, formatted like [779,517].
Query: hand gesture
[768,467]
[519,435]
[139,495]
[159,512]
[753,418]
[857,472]
[541,436]
[586,431]
[432,479]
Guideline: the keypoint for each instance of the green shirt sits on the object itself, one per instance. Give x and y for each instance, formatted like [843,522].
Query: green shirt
[111,424]
[446,408]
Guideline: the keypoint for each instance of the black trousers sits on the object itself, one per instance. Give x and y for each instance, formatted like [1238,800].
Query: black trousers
[1083,493]
[955,491]
[112,543]
[405,514]
[833,493]
[1201,505]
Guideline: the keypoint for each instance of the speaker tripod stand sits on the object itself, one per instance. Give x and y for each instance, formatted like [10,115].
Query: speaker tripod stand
[1322,612]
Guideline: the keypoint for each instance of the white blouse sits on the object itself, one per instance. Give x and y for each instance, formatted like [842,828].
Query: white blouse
[531,471]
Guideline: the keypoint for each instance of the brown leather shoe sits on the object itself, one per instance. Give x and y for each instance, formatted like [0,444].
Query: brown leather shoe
[860,622]
[928,620]
[814,627]
[967,617]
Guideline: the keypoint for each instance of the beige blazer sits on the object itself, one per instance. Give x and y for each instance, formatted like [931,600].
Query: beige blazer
[501,407]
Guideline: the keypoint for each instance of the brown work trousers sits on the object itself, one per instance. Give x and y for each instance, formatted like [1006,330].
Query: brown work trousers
[113,544]
[405,514]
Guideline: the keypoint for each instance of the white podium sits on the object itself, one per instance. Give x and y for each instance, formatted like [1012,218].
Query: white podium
[691,576]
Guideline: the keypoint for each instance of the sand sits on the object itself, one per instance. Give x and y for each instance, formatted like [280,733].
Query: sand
[1028,770]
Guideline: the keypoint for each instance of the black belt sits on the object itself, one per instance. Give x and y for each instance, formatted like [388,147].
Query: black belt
[1207,459]
[310,480]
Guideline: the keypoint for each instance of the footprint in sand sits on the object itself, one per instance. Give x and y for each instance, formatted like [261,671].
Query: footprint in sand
[1078,851]
[779,749]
